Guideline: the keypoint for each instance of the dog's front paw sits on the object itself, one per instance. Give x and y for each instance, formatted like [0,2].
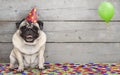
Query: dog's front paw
[11,67]
[41,67]
[20,69]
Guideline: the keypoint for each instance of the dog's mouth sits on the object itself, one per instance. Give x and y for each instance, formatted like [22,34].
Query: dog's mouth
[29,38]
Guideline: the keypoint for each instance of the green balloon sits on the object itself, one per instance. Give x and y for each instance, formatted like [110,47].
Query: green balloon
[106,11]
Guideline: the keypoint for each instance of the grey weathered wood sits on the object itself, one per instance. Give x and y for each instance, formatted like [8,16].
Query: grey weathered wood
[63,22]
[5,49]
[55,9]
[73,52]
[70,31]
[52,4]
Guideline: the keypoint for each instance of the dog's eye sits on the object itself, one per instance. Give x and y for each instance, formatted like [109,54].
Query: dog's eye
[35,29]
[23,28]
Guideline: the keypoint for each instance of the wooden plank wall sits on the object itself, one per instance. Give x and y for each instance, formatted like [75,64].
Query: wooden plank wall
[75,32]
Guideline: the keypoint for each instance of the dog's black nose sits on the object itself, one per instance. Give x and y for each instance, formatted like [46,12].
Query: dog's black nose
[29,31]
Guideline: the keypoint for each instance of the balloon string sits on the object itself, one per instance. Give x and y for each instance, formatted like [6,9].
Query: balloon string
[108,28]
[108,31]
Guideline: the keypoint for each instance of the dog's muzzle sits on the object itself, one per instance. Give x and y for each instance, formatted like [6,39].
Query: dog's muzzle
[29,38]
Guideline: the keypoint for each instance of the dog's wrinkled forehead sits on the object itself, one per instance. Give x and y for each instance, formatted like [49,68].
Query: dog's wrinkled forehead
[26,23]
[23,22]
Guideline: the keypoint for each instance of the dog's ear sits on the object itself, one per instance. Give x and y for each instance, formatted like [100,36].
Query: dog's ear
[18,23]
[40,24]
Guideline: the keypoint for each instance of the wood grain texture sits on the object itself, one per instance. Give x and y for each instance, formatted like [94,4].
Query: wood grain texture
[54,9]
[70,31]
[75,32]
[73,52]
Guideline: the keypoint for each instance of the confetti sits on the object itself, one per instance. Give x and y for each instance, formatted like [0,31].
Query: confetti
[67,69]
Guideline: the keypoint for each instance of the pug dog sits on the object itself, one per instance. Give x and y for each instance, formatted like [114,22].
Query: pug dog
[29,45]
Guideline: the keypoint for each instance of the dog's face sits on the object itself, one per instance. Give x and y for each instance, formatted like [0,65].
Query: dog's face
[29,31]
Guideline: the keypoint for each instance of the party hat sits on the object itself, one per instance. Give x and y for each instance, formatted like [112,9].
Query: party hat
[32,16]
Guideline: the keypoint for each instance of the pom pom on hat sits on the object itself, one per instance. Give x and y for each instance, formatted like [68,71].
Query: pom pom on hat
[32,16]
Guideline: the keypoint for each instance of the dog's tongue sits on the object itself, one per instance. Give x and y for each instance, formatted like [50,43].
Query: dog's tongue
[29,36]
